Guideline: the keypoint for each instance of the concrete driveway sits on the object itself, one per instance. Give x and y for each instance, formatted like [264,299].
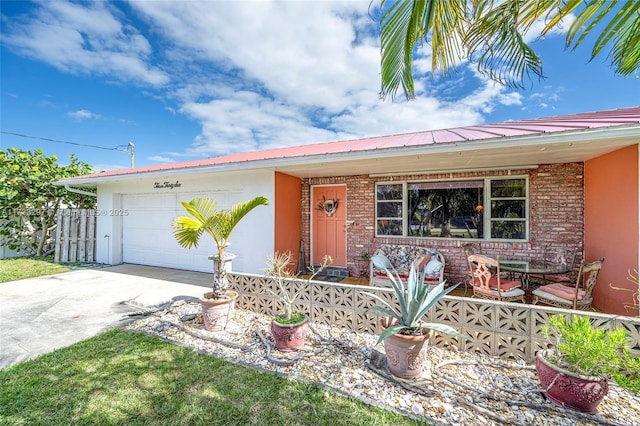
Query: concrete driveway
[38,315]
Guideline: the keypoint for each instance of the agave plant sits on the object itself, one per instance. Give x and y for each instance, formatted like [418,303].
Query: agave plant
[218,223]
[415,300]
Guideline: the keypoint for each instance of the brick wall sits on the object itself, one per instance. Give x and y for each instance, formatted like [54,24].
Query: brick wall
[556,208]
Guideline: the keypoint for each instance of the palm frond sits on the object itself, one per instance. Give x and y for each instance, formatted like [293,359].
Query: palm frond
[622,32]
[218,224]
[447,29]
[490,33]
[400,28]
[222,224]
[625,54]
[200,208]
[495,40]
[403,23]
[187,231]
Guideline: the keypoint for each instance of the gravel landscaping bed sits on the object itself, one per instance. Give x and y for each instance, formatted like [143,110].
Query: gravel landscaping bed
[457,388]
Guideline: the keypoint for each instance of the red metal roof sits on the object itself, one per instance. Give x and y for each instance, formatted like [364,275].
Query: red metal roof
[562,123]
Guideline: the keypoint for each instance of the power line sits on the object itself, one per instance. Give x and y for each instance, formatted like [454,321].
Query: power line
[117,148]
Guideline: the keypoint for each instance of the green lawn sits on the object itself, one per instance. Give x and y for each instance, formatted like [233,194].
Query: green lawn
[126,378]
[28,267]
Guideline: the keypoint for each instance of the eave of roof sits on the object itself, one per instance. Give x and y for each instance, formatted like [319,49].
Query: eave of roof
[506,133]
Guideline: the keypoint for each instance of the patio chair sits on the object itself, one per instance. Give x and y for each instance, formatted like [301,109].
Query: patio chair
[578,296]
[559,255]
[469,249]
[487,282]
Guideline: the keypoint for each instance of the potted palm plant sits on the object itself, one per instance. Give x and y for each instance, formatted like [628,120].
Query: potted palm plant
[404,334]
[575,371]
[290,327]
[217,305]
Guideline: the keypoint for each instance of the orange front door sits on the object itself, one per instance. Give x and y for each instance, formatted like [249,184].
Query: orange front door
[329,224]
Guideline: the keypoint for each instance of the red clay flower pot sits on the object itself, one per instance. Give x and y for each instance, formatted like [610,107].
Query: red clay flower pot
[569,390]
[289,337]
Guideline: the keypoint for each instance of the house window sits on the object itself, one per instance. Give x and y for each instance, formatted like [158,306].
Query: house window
[508,201]
[389,209]
[476,209]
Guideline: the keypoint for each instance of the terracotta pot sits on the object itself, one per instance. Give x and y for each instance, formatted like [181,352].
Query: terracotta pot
[289,337]
[216,313]
[406,354]
[570,390]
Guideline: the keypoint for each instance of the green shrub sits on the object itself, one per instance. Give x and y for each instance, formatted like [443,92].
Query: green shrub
[583,349]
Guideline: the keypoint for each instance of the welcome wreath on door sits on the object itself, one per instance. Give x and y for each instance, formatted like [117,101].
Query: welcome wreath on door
[328,206]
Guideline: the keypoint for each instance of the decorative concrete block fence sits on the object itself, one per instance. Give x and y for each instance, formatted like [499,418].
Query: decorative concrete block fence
[502,329]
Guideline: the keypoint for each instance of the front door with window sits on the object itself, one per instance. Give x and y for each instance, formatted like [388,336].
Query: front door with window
[329,233]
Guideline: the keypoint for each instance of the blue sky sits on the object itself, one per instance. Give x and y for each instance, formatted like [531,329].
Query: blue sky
[190,80]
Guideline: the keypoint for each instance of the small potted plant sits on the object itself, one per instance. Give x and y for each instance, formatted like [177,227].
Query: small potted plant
[217,305]
[575,371]
[290,327]
[404,334]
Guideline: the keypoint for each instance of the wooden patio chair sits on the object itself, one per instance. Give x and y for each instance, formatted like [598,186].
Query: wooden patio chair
[578,296]
[470,249]
[558,255]
[487,282]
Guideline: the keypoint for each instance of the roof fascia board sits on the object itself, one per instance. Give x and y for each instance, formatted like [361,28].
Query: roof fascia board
[583,135]
[474,169]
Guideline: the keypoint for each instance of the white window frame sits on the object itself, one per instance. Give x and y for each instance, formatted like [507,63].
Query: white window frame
[487,199]
[404,208]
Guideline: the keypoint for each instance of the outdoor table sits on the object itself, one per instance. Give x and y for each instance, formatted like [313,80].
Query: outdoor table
[363,268]
[526,267]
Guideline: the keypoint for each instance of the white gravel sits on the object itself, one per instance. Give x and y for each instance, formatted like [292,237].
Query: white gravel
[457,388]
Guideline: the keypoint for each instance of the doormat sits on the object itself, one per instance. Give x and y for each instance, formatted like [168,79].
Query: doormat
[329,278]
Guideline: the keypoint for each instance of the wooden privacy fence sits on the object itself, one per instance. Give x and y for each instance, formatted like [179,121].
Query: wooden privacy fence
[75,235]
[501,329]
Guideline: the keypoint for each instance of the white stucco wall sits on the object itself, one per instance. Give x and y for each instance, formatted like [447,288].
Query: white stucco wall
[251,241]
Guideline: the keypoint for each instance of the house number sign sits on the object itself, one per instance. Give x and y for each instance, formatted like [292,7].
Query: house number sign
[166,184]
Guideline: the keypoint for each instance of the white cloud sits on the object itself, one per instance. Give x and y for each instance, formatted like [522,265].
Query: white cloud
[83,114]
[302,52]
[104,167]
[85,39]
[254,75]
[161,159]
[280,78]
[246,122]
[549,97]
[510,99]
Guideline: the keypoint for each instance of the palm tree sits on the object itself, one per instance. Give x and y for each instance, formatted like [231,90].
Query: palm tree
[217,223]
[490,33]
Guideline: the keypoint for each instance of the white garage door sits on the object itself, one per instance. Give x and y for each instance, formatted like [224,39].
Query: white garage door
[147,234]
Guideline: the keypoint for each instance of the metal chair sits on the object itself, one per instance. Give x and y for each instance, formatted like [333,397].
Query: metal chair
[578,296]
[558,255]
[487,282]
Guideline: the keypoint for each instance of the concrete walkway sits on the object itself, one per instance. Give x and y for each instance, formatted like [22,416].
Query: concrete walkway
[38,315]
